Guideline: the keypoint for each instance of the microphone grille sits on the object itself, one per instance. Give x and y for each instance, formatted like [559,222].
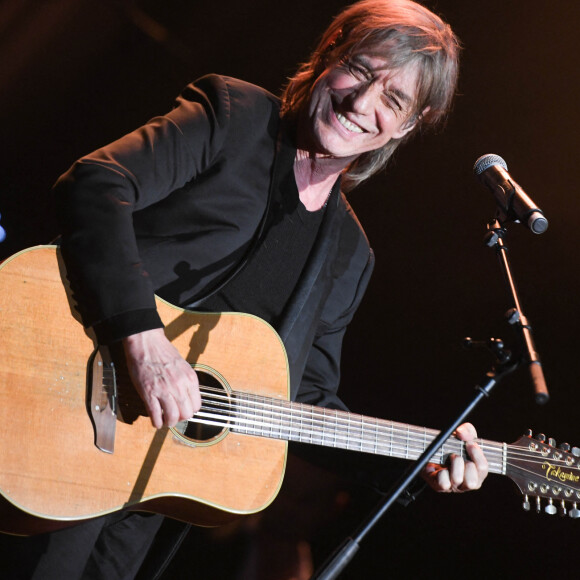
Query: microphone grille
[486,161]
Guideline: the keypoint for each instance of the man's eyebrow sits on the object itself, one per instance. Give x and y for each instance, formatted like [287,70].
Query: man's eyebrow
[402,95]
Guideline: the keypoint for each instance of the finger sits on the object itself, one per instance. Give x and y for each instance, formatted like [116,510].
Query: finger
[456,471]
[155,412]
[471,479]
[437,477]
[194,393]
[442,481]
[171,411]
[466,432]
[190,400]
[478,458]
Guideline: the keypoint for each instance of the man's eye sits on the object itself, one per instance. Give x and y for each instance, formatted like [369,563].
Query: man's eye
[359,72]
[392,101]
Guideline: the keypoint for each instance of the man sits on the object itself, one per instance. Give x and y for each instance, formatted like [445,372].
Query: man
[232,201]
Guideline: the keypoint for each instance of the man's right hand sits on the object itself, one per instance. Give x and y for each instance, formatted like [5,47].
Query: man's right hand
[167,384]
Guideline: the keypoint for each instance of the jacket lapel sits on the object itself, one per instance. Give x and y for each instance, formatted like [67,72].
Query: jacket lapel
[327,236]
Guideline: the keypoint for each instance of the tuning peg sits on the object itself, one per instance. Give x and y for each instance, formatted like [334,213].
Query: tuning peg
[563,508]
[574,512]
[550,508]
[530,433]
[576,451]
[526,503]
[538,504]
[552,442]
[565,446]
[541,437]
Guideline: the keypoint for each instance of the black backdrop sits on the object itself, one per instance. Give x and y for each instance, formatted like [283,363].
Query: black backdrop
[76,74]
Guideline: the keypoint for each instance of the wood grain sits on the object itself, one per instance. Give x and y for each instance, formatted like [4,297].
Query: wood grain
[50,468]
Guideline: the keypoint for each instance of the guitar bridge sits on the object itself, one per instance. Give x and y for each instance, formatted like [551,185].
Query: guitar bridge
[102,400]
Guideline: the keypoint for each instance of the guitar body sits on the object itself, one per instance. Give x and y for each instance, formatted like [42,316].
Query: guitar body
[51,472]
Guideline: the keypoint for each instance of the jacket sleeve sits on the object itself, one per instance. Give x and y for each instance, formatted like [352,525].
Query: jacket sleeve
[97,197]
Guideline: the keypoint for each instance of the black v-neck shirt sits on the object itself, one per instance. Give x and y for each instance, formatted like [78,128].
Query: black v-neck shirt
[265,284]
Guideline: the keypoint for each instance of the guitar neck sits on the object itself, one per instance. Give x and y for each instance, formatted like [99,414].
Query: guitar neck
[279,419]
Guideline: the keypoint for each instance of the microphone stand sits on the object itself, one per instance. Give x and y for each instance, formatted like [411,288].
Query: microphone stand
[503,366]
[515,316]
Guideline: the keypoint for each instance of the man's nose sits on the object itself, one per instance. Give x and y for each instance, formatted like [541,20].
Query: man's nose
[363,98]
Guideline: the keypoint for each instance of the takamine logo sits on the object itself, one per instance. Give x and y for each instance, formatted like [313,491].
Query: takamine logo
[557,473]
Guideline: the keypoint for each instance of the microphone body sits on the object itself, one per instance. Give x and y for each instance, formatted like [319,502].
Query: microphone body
[512,200]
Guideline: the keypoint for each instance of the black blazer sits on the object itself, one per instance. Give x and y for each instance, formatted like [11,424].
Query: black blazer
[173,208]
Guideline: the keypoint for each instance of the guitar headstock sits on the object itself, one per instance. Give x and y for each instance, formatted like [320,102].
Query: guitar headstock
[543,470]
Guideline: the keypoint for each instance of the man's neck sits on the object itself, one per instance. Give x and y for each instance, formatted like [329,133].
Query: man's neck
[315,177]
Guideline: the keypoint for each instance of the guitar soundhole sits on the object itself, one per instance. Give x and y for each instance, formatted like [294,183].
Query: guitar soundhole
[215,396]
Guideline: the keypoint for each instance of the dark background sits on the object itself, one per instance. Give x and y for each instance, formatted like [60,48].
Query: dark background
[76,74]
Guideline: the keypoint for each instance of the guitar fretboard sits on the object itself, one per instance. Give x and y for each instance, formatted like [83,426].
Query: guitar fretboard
[280,419]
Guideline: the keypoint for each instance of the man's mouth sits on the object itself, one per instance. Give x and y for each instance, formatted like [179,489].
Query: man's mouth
[348,124]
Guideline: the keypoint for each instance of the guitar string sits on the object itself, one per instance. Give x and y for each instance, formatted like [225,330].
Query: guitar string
[351,420]
[423,432]
[340,421]
[409,429]
[396,450]
[393,445]
[393,451]
[488,447]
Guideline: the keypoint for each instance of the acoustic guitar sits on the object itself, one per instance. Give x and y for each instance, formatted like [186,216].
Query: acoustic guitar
[75,443]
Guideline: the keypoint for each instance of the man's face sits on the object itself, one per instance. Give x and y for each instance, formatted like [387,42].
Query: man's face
[358,105]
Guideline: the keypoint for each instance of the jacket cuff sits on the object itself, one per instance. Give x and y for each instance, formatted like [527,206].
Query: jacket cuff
[126,324]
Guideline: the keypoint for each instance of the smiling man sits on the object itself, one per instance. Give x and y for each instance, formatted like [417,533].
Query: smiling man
[234,201]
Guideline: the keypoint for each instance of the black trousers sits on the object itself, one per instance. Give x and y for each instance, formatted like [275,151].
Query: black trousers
[111,547]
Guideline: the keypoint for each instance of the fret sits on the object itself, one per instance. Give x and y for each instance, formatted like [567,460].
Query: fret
[277,426]
[323,429]
[348,431]
[335,430]
[362,433]
[259,419]
[503,458]
[310,424]
[267,426]
[286,423]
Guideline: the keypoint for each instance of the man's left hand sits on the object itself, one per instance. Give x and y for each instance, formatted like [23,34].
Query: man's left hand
[459,475]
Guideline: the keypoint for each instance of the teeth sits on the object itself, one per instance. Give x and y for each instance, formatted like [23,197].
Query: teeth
[347,124]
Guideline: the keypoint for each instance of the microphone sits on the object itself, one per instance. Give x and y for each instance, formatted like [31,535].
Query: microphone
[512,200]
